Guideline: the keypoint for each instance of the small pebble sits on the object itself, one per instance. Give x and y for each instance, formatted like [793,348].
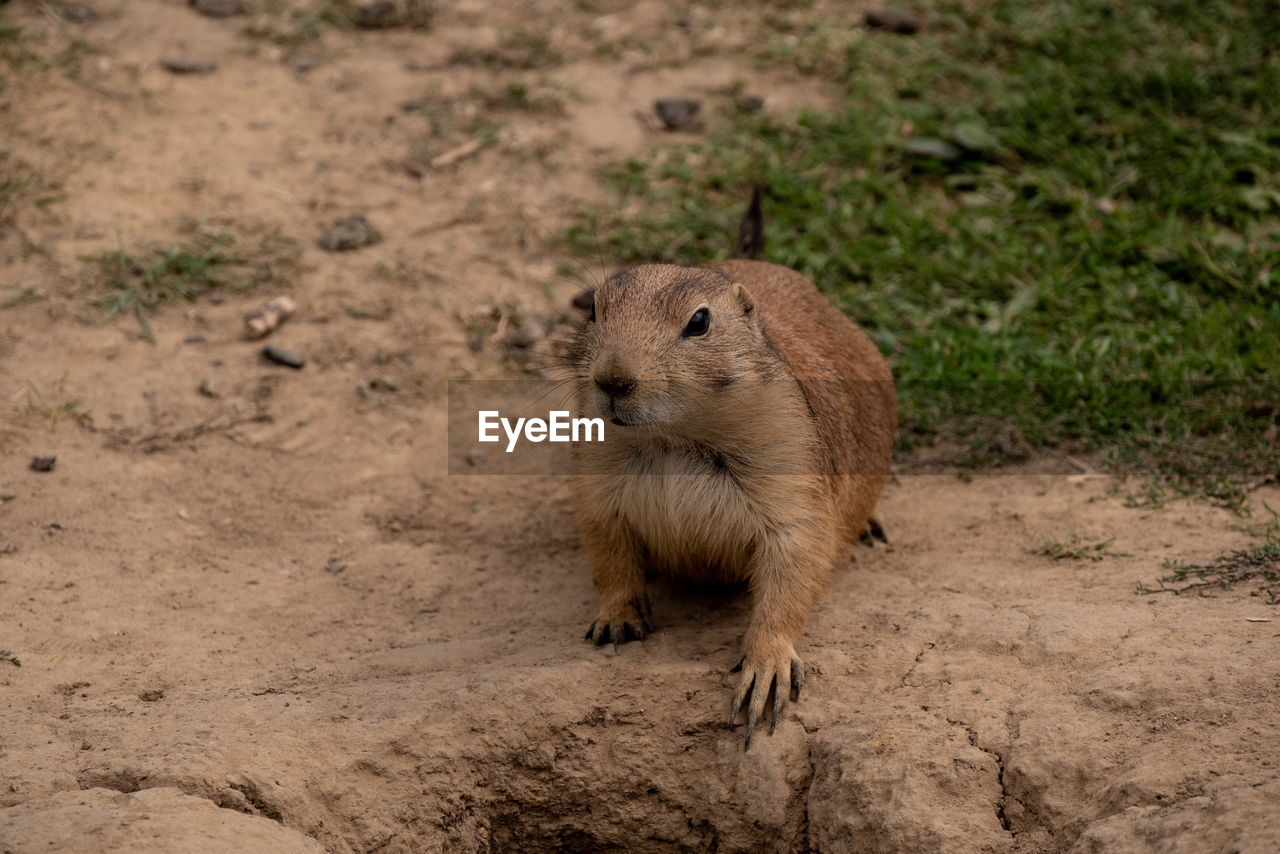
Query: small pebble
[350,233]
[209,388]
[78,13]
[43,463]
[894,20]
[677,113]
[376,15]
[927,146]
[264,320]
[6,497]
[334,566]
[218,8]
[283,357]
[521,337]
[188,66]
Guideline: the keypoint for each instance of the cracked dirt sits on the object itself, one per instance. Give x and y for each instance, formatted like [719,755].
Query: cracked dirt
[268,619]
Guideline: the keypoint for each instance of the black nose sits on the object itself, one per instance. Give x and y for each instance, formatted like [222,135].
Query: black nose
[616,386]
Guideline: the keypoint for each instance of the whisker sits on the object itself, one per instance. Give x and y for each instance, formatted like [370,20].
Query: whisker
[545,392]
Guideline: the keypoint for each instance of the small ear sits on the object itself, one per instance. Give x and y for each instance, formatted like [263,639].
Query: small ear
[743,296]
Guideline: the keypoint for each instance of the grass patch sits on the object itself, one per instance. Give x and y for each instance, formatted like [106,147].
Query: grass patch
[214,258]
[71,410]
[1059,221]
[518,49]
[1077,547]
[21,295]
[1261,564]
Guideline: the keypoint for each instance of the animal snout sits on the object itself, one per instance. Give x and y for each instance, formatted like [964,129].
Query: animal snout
[616,385]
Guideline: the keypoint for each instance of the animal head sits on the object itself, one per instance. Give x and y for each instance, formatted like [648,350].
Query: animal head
[664,345]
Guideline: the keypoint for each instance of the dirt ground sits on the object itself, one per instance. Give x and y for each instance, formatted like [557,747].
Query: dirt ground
[265,617]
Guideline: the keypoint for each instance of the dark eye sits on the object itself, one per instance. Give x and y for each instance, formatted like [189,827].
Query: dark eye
[698,323]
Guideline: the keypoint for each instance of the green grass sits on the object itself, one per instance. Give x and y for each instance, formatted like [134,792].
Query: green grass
[213,259]
[39,406]
[1057,219]
[1260,564]
[1077,547]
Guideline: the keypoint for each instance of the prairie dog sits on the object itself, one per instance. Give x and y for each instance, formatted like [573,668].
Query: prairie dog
[753,430]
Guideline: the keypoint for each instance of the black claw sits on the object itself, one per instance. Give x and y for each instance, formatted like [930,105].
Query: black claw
[737,705]
[638,632]
[866,540]
[751,726]
[602,636]
[590,631]
[778,700]
[738,666]
[875,529]
[641,604]
[797,679]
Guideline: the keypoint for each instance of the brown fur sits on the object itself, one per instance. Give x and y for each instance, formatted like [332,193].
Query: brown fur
[755,452]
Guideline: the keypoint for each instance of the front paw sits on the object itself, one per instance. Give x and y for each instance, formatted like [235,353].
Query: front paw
[766,666]
[620,623]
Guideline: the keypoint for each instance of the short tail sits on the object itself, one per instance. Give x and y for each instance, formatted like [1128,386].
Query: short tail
[751,232]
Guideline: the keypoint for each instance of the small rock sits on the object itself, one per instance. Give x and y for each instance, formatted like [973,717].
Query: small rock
[334,566]
[151,696]
[376,15]
[521,338]
[973,137]
[383,384]
[218,8]
[283,357]
[43,463]
[6,497]
[677,113]
[233,799]
[270,316]
[927,146]
[454,155]
[305,62]
[10,549]
[188,66]
[350,233]
[209,388]
[78,13]
[749,104]
[895,21]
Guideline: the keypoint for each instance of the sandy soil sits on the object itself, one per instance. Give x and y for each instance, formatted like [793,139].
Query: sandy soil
[270,620]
